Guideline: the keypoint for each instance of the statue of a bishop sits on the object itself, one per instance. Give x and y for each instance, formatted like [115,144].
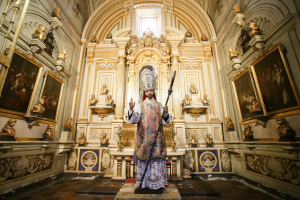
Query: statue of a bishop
[147,115]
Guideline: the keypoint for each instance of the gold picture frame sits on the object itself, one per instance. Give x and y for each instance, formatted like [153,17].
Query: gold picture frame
[246,95]
[51,92]
[20,84]
[273,78]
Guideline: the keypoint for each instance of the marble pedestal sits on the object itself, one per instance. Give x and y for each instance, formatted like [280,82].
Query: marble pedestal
[127,192]
[119,169]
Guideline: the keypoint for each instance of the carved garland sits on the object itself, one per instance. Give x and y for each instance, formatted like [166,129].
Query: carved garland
[240,72]
[28,55]
[262,52]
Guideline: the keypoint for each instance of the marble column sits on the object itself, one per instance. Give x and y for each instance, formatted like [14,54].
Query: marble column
[121,81]
[176,89]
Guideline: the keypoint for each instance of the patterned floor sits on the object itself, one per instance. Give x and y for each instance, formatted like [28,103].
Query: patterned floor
[189,190]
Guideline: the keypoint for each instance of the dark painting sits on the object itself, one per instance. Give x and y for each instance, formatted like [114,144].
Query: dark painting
[19,85]
[274,83]
[51,94]
[247,99]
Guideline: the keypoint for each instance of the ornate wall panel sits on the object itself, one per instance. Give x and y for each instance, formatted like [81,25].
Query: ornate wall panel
[208,161]
[106,160]
[225,161]
[200,133]
[283,169]
[194,77]
[189,160]
[107,78]
[89,160]
[95,133]
[217,135]
[72,160]
[16,167]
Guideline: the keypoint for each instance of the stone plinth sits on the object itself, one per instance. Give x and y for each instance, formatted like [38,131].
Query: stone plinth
[127,192]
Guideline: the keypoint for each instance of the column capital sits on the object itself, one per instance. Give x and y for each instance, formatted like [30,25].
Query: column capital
[175,58]
[121,60]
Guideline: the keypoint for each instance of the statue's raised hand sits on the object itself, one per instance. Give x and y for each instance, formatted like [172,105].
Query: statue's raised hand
[131,104]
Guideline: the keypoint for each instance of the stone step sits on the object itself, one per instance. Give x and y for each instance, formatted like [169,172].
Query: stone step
[127,192]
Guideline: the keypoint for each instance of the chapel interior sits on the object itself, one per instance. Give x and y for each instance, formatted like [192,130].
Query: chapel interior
[69,69]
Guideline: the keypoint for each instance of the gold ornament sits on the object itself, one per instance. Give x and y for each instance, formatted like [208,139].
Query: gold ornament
[39,33]
[56,13]
[39,108]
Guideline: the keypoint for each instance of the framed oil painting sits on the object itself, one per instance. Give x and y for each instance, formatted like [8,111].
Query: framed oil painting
[51,93]
[246,95]
[274,81]
[20,84]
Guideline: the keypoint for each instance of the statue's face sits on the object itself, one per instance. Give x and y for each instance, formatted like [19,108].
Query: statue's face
[280,121]
[149,94]
[12,123]
[50,127]
[82,134]
[42,101]
[186,96]
[93,96]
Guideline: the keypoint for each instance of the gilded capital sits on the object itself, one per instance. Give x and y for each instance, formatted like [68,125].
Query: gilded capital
[207,55]
[175,58]
[90,57]
[121,60]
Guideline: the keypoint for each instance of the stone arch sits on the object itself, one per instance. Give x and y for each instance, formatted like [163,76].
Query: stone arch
[111,11]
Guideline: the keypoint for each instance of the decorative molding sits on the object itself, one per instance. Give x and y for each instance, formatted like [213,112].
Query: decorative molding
[28,55]
[95,133]
[191,65]
[263,52]
[106,66]
[239,72]
[200,133]
[56,75]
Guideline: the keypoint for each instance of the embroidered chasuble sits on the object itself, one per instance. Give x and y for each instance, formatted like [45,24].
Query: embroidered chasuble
[147,115]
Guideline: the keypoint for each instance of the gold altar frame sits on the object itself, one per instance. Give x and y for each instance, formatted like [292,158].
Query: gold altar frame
[28,56]
[262,55]
[60,80]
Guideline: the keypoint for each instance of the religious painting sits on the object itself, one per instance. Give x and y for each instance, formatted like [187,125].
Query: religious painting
[274,81]
[218,6]
[20,84]
[51,93]
[246,95]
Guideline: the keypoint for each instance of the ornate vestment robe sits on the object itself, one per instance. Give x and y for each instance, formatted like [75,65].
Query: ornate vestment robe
[147,115]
